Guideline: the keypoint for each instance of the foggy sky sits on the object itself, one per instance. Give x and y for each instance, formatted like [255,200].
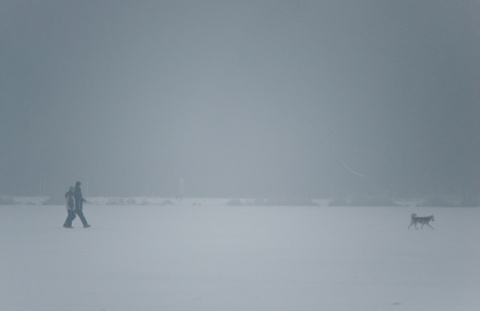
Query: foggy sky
[240,98]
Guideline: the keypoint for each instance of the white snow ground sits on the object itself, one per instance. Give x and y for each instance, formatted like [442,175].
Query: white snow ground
[225,258]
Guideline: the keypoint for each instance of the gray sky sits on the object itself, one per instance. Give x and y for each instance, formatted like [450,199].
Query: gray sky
[240,98]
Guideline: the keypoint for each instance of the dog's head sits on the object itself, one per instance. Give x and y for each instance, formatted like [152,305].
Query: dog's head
[414,215]
[433,218]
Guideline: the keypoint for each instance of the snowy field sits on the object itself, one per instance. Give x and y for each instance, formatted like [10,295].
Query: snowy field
[211,257]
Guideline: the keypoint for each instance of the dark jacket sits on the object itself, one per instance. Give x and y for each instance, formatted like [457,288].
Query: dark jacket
[70,200]
[78,198]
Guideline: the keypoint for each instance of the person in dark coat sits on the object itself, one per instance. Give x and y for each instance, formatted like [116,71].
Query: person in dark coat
[79,204]
[69,197]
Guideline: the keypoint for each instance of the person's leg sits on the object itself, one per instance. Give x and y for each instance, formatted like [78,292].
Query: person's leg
[82,218]
[70,218]
[65,224]
[73,215]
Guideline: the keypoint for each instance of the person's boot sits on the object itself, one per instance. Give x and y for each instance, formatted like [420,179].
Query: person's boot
[87,226]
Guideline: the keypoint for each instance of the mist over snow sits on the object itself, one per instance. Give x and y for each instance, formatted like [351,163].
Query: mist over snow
[240,99]
[240,155]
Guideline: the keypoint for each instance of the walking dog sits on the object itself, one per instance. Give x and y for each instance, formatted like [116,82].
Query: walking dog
[421,220]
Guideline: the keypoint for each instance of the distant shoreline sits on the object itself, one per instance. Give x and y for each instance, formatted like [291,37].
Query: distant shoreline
[358,201]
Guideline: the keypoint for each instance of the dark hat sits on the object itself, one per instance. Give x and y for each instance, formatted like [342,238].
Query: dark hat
[77,184]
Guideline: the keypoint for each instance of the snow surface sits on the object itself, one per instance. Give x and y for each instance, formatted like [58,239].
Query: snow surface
[211,257]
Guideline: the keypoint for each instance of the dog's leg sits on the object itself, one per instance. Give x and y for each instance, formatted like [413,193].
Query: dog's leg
[430,226]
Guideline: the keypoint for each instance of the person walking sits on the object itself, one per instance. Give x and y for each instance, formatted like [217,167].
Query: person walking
[79,204]
[69,197]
